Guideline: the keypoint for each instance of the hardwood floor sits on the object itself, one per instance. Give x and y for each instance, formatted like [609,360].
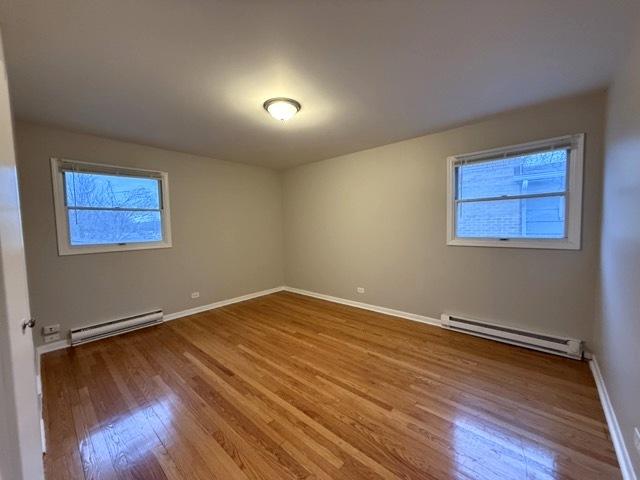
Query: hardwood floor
[285,387]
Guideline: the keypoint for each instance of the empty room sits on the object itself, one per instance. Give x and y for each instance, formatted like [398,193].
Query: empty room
[322,240]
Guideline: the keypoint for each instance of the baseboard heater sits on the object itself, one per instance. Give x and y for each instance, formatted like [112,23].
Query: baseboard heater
[568,347]
[114,327]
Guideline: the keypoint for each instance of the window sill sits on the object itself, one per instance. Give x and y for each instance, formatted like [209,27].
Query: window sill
[63,251]
[560,244]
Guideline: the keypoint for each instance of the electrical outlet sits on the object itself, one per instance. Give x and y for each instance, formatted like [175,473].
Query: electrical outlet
[636,438]
[360,289]
[195,294]
[51,338]
[49,329]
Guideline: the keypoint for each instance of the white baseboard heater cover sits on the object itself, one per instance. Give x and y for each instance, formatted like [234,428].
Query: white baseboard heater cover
[114,327]
[568,347]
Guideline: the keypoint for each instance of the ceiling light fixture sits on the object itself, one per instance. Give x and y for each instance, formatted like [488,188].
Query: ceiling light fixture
[282,108]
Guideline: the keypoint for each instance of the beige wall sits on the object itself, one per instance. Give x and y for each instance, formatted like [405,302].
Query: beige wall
[226,222]
[618,320]
[374,219]
[377,219]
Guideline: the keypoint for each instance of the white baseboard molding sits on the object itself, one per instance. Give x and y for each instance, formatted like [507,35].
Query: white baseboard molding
[64,343]
[43,435]
[221,303]
[50,347]
[366,306]
[612,421]
[614,428]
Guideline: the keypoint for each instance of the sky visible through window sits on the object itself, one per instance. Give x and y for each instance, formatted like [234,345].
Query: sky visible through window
[483,191]
[112,209]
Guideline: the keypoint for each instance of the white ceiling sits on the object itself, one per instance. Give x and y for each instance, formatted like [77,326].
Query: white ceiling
[192,75]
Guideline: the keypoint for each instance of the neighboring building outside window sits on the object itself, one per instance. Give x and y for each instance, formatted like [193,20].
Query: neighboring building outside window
[527,195]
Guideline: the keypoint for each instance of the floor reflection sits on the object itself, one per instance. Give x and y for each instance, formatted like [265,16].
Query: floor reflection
[493,451]
[129,438]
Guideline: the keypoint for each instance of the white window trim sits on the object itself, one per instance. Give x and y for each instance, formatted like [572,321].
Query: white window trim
[573,198]
[62,226]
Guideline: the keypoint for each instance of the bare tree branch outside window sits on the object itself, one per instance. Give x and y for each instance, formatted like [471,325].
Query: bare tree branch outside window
[106,209]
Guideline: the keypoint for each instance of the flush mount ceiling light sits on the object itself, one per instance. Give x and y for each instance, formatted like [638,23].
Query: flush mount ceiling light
[282,108]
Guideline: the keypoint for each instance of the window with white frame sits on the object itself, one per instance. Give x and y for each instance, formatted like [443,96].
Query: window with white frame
[104,208]
[527,196]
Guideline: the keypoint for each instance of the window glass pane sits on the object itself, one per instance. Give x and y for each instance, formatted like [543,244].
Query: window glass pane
[542,217]
[98,227]
[543,172]
[111,191]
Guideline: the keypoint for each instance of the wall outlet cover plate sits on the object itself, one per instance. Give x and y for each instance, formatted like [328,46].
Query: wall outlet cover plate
[49,329]
[51,338]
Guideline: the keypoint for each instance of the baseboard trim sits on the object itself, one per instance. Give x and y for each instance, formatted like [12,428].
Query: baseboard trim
[60,344]
[221,303]
[366,306]
[612,421]
[619,445]
[50,347]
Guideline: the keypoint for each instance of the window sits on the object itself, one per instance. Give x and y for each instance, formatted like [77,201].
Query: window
[527,196]
[102,208]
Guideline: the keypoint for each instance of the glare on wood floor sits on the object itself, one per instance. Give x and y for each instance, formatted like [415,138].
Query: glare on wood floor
[290,387]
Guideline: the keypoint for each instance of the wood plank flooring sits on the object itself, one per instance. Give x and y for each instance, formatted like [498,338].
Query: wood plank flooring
[290,387]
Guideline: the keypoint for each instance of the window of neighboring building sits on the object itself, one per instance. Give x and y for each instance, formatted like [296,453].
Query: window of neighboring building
[521,196]
[103,208]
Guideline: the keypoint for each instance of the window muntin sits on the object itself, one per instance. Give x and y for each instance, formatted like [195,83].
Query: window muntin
[537,217]
[110,209]
[512,197]
[102,208]
[522,196]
